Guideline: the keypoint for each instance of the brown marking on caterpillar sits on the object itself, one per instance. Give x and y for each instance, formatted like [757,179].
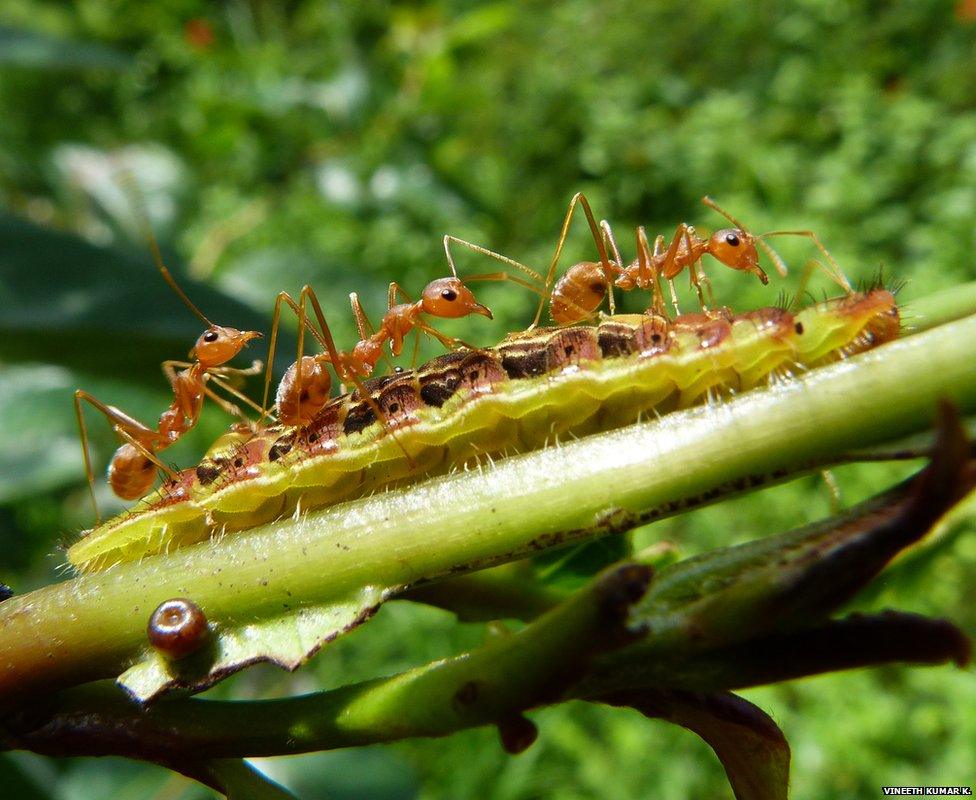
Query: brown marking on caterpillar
[570,346]
[552,351]
[358,418]
[321,436]
[617,339]
[774,319]
[467,695]
[435,390]
[480,371]
[208,471]
[711,328]
[524,360]
[653,335]
[400,403]
[282,446]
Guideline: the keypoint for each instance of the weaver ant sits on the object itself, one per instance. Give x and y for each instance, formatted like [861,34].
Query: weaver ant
[132,470]
[579,293]
[305,387]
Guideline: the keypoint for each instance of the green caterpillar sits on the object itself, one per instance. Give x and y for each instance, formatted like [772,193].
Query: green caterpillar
[467,404]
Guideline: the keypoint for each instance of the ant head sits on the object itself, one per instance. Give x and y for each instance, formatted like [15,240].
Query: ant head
[217,345]
[736,248]
[449,298]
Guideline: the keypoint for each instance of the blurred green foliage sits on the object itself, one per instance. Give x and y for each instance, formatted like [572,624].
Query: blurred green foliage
[334,144]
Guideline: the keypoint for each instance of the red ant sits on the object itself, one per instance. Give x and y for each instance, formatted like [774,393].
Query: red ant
[580,291]
[132,469]
[305,387]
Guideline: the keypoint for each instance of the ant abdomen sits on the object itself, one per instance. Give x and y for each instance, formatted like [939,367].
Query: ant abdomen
[578,293]
[131,473]
[301,397]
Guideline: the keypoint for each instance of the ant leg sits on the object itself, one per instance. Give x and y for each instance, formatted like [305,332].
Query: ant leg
[363,325]
[216,376]
[485,252]
[221,377]
[610,239]
[658,252]
[83,432]
[450,342]
[120,421]
[395,335]
[668,266]
[256,368]
[396,290]
[808,269]
[695,270]
[226,405]
[346,374]
[646,271]
[674,297]
[416,348]
[170,473]
[115,416]
[304,322]
[578,199]
[504,276]
[704,282]
[618,261]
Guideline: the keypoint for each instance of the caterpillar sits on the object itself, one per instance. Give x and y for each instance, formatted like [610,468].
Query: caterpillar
[472,403]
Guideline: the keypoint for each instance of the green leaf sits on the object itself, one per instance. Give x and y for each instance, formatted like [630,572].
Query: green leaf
[288,640]
[38,441]
[17,782]
[66,301]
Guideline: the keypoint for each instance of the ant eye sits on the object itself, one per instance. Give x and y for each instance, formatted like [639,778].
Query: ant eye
[732,239]
[450,295]
[210,336]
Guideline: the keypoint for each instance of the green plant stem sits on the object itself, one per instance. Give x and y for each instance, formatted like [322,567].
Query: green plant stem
[731,616]
[93,626]
[508,674]
[502,592]
[940,308]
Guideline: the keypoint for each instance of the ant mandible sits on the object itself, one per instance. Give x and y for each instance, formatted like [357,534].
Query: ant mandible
[132,470]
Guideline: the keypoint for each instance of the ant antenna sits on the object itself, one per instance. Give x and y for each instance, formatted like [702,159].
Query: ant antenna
[131,188]
[171,281]
[707,201]
[450,259]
